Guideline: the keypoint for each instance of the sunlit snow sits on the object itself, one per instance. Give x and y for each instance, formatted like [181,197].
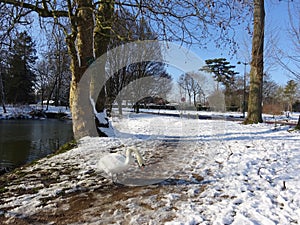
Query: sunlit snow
[199,172]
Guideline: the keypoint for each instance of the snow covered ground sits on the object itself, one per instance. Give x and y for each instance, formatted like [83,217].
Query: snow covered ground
[284,117]
[197,172]
[24,112]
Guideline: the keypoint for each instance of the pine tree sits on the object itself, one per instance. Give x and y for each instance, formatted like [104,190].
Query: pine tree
[221,69]
[290,91]
[19,82]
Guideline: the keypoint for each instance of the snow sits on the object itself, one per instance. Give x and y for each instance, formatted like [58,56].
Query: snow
[197,172]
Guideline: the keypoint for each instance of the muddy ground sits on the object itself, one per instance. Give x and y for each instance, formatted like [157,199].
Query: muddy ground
[88,197]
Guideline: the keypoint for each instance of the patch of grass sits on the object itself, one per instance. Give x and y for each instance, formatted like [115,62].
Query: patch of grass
[64,148]
[34,162]
[19,172]
[3,190]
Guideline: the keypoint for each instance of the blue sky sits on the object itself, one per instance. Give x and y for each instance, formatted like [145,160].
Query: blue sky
[277,25]
[276,36]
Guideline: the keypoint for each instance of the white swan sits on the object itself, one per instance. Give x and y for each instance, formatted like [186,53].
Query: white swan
[115,163]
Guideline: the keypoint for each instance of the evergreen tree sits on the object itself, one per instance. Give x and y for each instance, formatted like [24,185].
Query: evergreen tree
[221,69]
[290,91]
[19,82]
[223,73]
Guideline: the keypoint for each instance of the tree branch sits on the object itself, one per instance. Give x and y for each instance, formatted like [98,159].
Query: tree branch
[43,12]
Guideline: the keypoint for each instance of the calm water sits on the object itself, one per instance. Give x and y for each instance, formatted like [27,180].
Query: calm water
[22,141]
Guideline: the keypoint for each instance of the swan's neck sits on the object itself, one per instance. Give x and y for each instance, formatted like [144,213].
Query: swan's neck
[137,154]
[129,158]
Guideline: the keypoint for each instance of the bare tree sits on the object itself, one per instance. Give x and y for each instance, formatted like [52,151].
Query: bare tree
[42,80]
[270,89]
[185,84]
[190,83]
[60,67]
[139,30]
[291,61]
[53,70]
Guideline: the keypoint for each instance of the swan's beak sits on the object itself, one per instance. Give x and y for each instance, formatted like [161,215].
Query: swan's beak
[140,161]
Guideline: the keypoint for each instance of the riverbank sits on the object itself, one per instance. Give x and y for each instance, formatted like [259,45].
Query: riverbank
[26,140]
[35,112]
[217,172]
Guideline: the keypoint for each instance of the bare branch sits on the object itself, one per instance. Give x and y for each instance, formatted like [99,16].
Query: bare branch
[290,60]
[43,12]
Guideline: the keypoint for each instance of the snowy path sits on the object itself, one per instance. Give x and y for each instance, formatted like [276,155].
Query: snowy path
[218,172]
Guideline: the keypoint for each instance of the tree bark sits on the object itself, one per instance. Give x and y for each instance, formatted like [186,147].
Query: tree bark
[120,108]
[82,32]
[257,65]
[298,124]
[102,33]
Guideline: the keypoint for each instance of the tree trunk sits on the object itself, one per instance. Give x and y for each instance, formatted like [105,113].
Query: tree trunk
[81,56]
[298,124]
[51,93]
[257,65]
[195,101]
[42,97]
[102,33]
[2,94]
[119,102]
[137,108]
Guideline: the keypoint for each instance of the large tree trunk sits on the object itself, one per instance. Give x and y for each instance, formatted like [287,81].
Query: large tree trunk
[81,57]
[257,65]
[102,33]
[120,108]
[298,124]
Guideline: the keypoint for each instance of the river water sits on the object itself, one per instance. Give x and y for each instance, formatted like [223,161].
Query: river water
[23,141]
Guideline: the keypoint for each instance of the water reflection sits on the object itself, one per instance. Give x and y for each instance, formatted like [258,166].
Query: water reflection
[22,141]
